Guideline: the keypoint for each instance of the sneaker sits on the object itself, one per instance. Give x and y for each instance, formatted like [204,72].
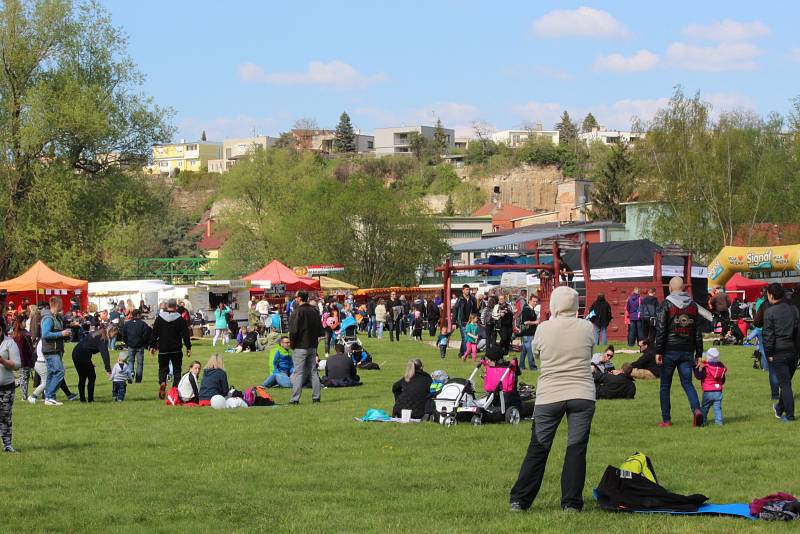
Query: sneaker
[32,399]
[786,419]
[169,377]
[315,401]
[571,510]
[775,411]
[516,507]
[162,391]
[74,397]
[52,402]
[294,403]
[9,448]
[697,418]
[665,424]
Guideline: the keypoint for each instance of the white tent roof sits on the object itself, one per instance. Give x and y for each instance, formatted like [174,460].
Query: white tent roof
[126,287]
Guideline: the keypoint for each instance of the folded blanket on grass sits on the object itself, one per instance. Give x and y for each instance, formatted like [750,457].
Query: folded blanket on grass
[736,510]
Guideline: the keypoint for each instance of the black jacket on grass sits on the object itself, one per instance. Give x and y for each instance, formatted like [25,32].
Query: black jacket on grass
[648,361]
[169,332]
[611,386]
[412,395]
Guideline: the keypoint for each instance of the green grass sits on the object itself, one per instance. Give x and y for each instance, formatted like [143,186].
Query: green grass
[143,466]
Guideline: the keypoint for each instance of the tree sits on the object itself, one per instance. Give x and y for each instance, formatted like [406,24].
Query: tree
[304,129]
[203,136]
[439,139]
[567,130]
[345,138]
[286,141]
[613,185]
[589,123]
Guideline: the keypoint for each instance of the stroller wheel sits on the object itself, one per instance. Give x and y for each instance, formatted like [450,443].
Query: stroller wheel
[449,421]
[512,416]
[476,420]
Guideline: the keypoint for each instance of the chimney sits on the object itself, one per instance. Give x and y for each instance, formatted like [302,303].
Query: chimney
[208,228]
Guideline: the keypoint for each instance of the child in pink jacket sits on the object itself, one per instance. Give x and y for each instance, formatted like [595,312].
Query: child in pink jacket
[711,373]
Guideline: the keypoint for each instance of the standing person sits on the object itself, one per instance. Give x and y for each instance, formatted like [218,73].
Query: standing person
[9,361]
[711,374]
[136,335]
[489,326]
[600,315]
[503,315]
[720,305]
[371,321]
[528,321]
[380,318]
[632,306]
[761,307]
[27,354]
[220,324]
[396,310]
[679,345]
[121,375]
[465,306]
[53,336]
[170,333]
[780,343]
[305,329]
[647,314]
[331,319]
[433,314]
[564,345]
[262,309]
[82,359]
[471,331]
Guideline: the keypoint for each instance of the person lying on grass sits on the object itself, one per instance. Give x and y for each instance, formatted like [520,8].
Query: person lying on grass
[282,366]
[215,380]
[616,384]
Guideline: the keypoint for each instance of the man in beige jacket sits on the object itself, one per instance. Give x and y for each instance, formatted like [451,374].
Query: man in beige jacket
[564,345]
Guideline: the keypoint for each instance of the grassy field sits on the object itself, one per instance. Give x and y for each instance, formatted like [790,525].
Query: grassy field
[143,466]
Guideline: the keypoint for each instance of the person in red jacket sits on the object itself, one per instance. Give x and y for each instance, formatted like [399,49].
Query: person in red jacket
[711,373]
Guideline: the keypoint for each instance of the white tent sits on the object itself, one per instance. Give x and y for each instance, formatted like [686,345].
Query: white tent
[103,294]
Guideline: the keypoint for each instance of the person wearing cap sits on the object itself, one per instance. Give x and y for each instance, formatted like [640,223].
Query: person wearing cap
[170,334]
[711,373]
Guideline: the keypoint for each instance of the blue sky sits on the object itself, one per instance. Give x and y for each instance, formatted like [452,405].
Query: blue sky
[234,67]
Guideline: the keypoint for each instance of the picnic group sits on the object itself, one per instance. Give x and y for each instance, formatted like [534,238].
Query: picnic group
[558,343]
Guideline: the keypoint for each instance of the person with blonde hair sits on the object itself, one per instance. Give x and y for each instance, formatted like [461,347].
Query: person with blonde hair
[412,392]
[215,380]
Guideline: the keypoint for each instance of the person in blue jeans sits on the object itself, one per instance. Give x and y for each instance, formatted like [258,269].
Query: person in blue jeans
[679,345]
[465,306]
[282,366]
[53,336]
[529,322]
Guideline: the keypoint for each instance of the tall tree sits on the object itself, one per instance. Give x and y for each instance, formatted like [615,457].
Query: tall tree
[344,139]
[567,130]
[203,136]
[613,185]
[589,123]
[439,138]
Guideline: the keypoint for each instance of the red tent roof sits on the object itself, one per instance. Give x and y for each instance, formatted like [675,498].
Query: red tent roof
[751,288]
[278,273]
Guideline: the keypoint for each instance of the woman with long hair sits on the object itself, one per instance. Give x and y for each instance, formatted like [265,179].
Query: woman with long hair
[26,353]
[9,361]
[215,380]
[82,358]
[413,391]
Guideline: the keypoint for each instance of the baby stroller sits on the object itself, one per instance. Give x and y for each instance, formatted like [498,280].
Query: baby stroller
[348,334]
[459,402]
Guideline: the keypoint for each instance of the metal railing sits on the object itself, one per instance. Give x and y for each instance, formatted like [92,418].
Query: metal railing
[184,270]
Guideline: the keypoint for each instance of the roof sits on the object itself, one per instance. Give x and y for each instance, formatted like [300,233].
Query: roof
[530,233]
[40,276]
[621,254]
[327,283]
[504,211]
[125,287]
[278,273]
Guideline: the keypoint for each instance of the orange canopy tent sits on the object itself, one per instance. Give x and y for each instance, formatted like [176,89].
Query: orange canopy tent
[40,282]
[278,273]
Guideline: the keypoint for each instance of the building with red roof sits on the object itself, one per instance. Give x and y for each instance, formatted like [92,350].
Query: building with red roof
[502,214]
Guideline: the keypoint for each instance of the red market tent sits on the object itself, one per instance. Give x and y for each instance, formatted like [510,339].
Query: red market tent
[751,288]
[40,282]
[279,274]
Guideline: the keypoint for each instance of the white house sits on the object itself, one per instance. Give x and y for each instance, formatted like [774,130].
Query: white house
[515,138]
[398,140]
[609,137]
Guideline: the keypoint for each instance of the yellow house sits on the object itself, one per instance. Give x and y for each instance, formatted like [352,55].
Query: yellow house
[186,157]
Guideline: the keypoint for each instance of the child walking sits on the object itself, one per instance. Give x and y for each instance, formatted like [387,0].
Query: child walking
[711,373]
[121,376]
[444,338]
[416,326]
[471,332]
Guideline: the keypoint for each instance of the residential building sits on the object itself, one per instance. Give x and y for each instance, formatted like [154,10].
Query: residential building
[459,230]
[501,214]
[323,142]
[304,139]
[398,140]
[237,148]
[573,203]
[183,156]
[609,137]
[211,238]
[516,138]
[462,143]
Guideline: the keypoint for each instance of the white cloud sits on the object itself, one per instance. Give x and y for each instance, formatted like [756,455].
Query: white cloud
[723,57]
[335,73]
[727,30]
[581,22]
[222,127]
[794,55]
[638,62]
[537,71]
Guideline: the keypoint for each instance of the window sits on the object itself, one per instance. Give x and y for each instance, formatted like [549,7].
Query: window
[227,153]
[464,234]
[191,147]
[370,145]
[163,164]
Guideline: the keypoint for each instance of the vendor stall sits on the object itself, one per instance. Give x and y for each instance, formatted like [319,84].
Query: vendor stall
[278,274]
[105,294]
[40,282]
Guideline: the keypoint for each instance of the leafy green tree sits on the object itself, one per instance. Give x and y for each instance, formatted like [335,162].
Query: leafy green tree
[567,130]
[345,138]
[444,180]
[589,123]
[286,140]
[439,139]
[614,185]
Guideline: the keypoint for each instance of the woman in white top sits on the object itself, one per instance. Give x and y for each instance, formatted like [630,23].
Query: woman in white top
[188,390]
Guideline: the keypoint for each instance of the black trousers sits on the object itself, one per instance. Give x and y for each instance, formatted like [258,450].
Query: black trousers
[164,359]
[86,377]
[546,418]
[432,324]
[505,337]
[394,330]
[784,367]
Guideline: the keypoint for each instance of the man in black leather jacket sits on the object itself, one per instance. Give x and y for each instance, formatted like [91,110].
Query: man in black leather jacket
[780,345]
[679,345]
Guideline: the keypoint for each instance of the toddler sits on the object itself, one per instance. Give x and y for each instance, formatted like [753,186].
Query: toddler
[443,340]
[471,331]
[711,373]
[121,376]
[416,326]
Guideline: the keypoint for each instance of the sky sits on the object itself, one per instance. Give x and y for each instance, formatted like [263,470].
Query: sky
[235,68]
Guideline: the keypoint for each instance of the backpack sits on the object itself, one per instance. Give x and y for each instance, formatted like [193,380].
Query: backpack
[249,396]
[257,396]
[173,398]
[640,464]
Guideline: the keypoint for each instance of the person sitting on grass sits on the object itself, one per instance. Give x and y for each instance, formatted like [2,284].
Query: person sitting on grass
[615,384]
[282,366]
[646,368]
[340,371]
[215,380]
[412,392]
[602,361]
[361,358]
[188,390]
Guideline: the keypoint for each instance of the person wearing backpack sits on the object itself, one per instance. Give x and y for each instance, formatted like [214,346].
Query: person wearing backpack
[647,314]
[600,315]
[136,335]
[781,323]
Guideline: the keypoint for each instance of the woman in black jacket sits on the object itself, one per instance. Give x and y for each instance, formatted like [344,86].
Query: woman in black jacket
[413,391]
[215,380]
[82,359]
[600,315]
[433,313]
